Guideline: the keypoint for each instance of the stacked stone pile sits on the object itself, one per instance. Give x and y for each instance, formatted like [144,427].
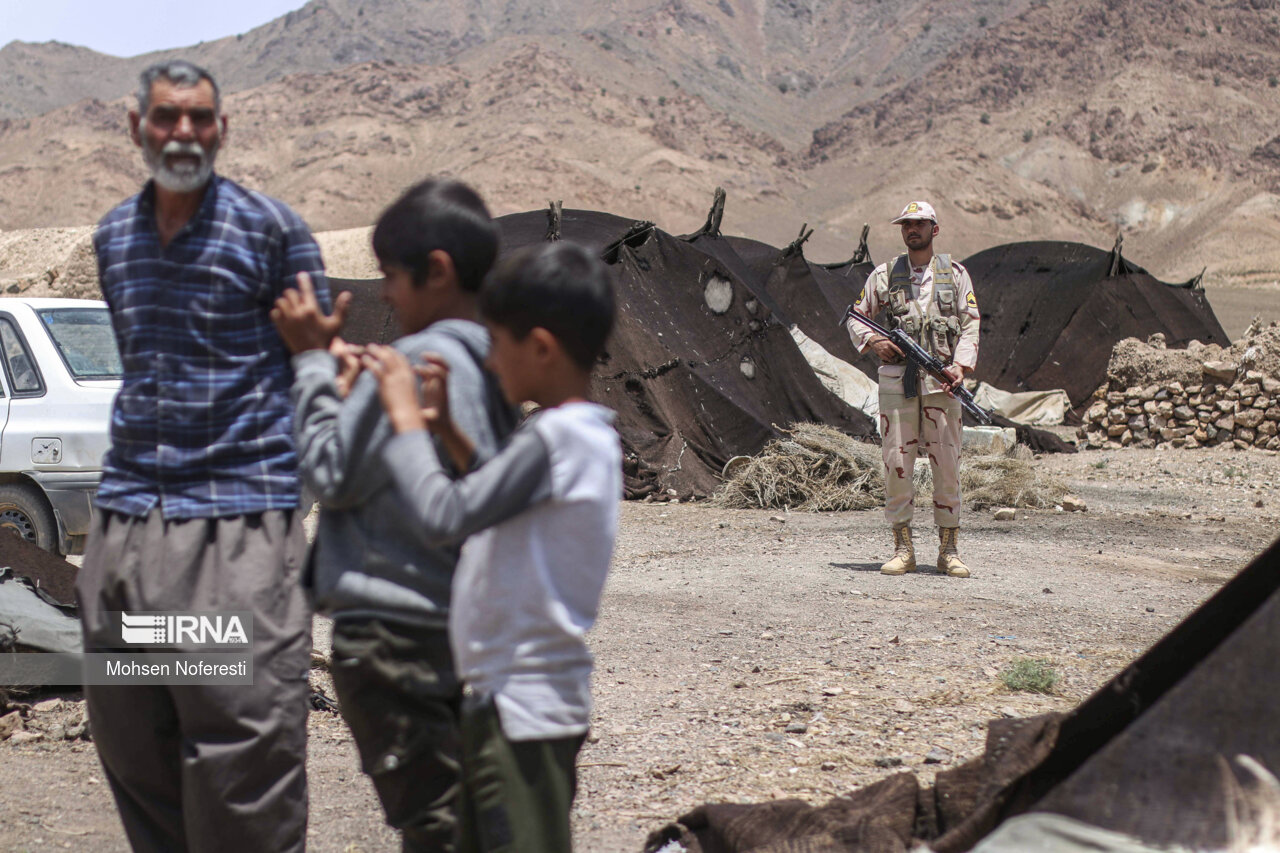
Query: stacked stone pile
[1227,405]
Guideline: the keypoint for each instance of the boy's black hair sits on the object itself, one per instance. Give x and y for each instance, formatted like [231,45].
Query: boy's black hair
[560,287]
[443,214]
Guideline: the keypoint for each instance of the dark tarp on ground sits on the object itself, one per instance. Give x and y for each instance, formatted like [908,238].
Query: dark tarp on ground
[30,622]
[1145,755]
[53,576]
[38,595]
[1051,314]
[884,817]
[673,370]
[875,819]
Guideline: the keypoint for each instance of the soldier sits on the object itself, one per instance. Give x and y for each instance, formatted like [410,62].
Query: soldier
[931,297]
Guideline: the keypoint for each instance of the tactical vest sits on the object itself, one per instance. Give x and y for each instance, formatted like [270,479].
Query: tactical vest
[938,330]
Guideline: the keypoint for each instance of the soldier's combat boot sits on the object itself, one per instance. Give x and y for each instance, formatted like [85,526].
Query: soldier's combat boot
[904,555]
[949,562]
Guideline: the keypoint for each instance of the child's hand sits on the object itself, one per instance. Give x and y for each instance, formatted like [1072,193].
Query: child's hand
[348,358]
[434,373]
[302,322]
[397,387]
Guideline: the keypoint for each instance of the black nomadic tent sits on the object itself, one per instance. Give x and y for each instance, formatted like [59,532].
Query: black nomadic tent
[695,369]
[1052,312]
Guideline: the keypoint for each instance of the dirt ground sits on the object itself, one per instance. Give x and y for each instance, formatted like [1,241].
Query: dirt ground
[746,655]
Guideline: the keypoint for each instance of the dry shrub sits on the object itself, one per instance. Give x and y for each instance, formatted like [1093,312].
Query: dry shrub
[814,468]
[987,481]
[1032,675]
[818,469]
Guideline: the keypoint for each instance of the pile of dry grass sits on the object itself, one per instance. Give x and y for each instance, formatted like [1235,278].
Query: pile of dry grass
[818,469]
[987,481]
[994,481]
[814,468]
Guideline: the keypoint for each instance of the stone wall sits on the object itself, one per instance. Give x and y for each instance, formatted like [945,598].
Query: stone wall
[1227,406]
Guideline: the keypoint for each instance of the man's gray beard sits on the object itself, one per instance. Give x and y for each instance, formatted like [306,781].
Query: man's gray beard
[184,178]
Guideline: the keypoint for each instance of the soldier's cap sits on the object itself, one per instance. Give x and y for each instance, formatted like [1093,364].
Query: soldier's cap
[917,210]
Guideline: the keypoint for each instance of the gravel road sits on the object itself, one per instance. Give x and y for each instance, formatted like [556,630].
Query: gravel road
[747,655]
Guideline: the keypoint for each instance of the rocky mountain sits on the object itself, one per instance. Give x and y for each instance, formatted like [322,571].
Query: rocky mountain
[1021,119]
[824,55]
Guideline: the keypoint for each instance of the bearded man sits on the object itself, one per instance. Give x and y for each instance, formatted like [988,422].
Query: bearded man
[199,501]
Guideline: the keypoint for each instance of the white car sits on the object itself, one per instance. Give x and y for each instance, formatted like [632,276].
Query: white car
[61,372]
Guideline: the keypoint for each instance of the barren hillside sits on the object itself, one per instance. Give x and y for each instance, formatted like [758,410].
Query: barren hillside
[740,54]
[523,128]
[1021,119]
[1151,117]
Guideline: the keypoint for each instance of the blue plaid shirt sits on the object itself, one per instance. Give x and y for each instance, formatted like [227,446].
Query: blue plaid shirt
[203,425]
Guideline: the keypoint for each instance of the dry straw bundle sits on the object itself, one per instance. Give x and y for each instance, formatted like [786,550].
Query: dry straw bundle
[987,481]
[818,469]
[814,469]
[993,481]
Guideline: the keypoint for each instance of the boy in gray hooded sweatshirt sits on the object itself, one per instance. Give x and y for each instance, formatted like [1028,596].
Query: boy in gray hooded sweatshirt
[387,586]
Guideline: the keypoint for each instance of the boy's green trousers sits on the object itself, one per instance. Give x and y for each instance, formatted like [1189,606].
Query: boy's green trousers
[516,795]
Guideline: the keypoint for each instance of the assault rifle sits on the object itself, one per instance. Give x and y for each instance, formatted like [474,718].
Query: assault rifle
[918,358]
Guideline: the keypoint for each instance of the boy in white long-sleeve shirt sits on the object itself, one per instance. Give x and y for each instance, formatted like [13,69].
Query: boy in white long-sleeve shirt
[528,586]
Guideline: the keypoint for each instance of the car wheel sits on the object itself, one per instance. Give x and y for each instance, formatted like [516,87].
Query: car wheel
[24,512]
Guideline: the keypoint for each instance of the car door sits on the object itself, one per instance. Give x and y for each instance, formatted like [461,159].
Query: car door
[4,405]
[22,381]
[5,397]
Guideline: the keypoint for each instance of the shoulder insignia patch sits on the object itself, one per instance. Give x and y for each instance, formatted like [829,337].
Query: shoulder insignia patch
[971,301]
[861,295]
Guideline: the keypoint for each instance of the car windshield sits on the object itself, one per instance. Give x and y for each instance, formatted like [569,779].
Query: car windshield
[85,340]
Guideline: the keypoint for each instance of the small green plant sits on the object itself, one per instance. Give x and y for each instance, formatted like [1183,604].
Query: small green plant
[1027,135]
[927,26]
[985,118]
[1273,81]
[1231,472]
[662,100]
[1102,463]
[1218,27]
[1030,675]
[982,22]
[1217,80]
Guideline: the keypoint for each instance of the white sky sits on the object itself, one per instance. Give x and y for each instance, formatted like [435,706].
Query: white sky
[131,27]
